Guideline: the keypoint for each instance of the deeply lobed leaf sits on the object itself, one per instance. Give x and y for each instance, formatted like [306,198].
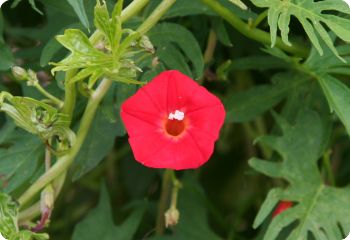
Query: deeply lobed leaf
[318,206]
[312,15]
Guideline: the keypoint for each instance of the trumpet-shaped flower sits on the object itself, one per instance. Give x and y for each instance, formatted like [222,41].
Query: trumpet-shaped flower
[172,122]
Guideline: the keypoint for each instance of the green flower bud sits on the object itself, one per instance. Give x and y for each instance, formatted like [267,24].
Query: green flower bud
[47,199]
[32,79]
[19,73]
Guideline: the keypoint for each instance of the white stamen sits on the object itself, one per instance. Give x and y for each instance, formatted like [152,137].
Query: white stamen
[178,115]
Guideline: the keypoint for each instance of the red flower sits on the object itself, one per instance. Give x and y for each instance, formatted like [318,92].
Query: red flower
[172,122]
[282,206]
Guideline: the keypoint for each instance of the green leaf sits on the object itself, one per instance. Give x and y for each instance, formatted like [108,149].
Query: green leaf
[31,2]
[52,47]
[98,143]
[316,210]
[246,105]
[99,223]
[110,57]
[165,33]
[6,60]
[312,15]
[239,3]
[78,6]
[8,222]
[182,8]
[173,59]
[338,96]
[193,207]
[19,161]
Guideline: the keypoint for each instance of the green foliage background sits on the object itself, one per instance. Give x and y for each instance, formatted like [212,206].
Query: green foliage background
[287,100]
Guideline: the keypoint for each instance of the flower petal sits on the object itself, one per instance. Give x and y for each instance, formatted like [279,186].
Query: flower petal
[139,124]
[191,151]
[207,120]
[140,115]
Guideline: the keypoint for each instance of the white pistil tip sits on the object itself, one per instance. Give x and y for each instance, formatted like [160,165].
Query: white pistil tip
[178,115]
[1,2]
[347,2]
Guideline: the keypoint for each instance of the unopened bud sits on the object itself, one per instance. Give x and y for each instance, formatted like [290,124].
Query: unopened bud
[19,73]
[171,217]
[47,199]
[32,79]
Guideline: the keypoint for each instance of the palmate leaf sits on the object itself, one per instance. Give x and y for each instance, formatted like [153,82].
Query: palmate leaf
[319,209]
[312,17]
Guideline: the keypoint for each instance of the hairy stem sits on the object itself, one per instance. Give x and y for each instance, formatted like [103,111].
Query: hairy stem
[254,33]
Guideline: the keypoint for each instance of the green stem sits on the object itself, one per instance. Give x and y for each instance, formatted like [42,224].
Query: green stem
[211,44]
[259,19]
[70,94]
[163,202]
[328,167]
[254,33]
[34,210]
[65,161]
[133,8]
[155,16]
[54,99]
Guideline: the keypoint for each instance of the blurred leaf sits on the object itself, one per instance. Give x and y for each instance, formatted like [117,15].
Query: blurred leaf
[312,16]
[99,223]
[193,222]
[8,222]
[164,34]
[6,59]
[98,143]
[316,204]
[239,3]
[173,59]
[31,2]
[19,161]
[182,8]
[78,6]
[221,32]
[330,64]
[257,62]
[247,105]
[338,96]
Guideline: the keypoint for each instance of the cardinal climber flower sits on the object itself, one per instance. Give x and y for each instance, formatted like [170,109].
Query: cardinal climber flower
[172,122]
[282,206]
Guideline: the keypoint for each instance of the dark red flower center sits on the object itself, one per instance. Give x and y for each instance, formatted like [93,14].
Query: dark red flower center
[174,127]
